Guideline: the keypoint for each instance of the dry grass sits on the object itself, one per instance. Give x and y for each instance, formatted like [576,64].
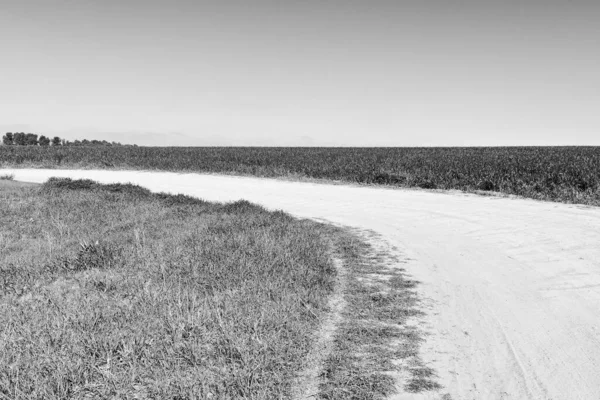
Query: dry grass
[109,291]
[375,342]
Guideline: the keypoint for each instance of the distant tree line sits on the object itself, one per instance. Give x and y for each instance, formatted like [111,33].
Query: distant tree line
[31,139]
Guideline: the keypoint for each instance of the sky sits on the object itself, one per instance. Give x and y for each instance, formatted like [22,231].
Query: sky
[303,72]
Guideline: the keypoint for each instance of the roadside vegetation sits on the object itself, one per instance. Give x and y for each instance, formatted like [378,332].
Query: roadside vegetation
[564,174]
[375,351]
[110,291]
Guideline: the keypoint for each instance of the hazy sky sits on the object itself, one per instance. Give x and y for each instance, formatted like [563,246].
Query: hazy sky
[303,72]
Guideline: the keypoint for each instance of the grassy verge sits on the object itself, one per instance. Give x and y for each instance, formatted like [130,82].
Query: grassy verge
[109,291]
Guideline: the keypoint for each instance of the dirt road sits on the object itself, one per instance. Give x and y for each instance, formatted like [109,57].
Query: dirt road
[512,286]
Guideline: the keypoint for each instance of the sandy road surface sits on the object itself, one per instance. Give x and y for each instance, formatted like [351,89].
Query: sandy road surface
[512,286]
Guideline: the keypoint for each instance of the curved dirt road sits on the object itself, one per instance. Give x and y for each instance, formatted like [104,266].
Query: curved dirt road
[512,286]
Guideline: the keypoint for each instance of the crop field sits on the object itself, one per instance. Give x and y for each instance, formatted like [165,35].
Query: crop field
[565,174]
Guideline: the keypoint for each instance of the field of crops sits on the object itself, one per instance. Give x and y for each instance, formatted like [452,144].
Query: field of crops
[566,174]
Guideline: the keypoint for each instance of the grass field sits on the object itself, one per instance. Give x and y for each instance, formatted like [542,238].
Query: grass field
[109,291]
[565,174]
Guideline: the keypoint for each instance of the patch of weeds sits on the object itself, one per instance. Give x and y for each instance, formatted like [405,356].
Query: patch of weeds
[385,178]
[15,279]
[102,286]
[7,177]
[126,188]
[486,185]
[68,184]
[90,256]
[241,206]
[426,184]
[373,335]
[401,282]
[62,184]
[422,379]
[179,200]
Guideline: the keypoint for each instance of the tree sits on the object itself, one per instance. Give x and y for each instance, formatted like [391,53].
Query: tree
[19,139]
[31,139]
[8,139]
[56,141]
[44,141]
